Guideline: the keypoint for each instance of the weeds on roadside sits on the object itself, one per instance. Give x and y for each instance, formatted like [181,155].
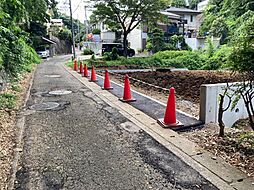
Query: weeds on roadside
[7,101]
[16,88]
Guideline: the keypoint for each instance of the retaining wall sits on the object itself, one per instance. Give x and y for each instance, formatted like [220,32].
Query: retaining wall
[209,105]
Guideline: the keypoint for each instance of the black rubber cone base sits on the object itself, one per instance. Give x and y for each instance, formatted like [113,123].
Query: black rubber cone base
[176,125]
[129,100]
[110,88]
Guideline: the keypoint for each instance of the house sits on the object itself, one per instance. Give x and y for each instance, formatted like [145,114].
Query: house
[187,20]
[202,5]
[181,21]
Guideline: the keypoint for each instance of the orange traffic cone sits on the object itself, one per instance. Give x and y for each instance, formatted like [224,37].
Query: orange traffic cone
[169,120]
[80,67]
[75,65]
[127,91]
[107,81]
[85,71]
[93,75]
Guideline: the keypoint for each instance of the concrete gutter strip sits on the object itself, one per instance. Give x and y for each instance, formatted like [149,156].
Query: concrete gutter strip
[217,171]
[19,135]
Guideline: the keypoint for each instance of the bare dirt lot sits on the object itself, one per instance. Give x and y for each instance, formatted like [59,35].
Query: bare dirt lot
[186,83]
[236,147]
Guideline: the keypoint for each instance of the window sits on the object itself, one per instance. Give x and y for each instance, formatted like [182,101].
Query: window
[191,18]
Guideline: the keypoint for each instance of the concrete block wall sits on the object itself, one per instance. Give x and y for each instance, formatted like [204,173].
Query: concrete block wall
[209,105]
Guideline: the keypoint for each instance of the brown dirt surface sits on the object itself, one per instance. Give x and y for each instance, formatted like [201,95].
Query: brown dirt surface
[186,83]
[236,148]
[184,105]
[7,130]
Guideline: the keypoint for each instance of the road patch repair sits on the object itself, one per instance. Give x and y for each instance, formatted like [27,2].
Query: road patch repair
[152,107]
[145,111]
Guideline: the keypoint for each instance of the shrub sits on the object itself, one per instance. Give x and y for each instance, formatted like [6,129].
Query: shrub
[96,31]
[114,55]
[219,58]
[107,56]
[111,56]
[16,55]
[139,50]
[179,59]
[169,54]
[16,87]
[88,51]
[7,100]
[155,42]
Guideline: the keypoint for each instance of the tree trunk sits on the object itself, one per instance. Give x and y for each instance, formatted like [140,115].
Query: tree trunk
[252,122]
[125,44]
[220,116]
[251,119]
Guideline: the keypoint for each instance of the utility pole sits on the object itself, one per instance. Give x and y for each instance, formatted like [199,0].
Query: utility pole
[86,21]
[78,36]
[72,31]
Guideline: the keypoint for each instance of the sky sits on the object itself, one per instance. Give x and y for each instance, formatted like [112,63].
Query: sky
[78,9]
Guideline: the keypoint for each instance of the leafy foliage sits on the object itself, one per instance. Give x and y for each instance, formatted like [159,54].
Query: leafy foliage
[218,57]
[76,24]
[65,34]
[127,15]
[17,17]
[194,3]
[222,17]
[177,59]
[96,31]
[180,59]
[178,3]
[7,101]
[88,51]
[156,42]
[111,56]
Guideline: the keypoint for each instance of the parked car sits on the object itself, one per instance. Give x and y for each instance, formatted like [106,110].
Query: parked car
[43,52]
[107,47]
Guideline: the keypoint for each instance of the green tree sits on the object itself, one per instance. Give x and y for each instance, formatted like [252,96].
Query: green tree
[228,12]
[219,28]
[242,60]
[17,18]
[178,3]
[76,24]
[96,31]
[128,14]
[194,3]
[156,40]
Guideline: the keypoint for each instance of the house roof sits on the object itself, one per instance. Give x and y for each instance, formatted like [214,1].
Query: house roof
[171,15]
[182,10]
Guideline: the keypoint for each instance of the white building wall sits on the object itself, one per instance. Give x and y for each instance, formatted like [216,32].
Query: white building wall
[202,5]
[209,105]
[135,39]
[195,43]
[108,37]
[193,24]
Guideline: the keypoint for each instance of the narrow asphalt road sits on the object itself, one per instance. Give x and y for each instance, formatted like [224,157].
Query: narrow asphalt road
[77,141]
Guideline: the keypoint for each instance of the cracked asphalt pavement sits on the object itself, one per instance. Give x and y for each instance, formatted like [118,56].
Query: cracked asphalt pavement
[82,143]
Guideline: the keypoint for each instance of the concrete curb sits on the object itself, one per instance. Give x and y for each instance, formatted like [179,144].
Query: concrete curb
[20,123]
[217,171]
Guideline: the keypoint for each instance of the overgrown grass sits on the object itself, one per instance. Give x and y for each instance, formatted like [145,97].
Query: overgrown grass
[193,60]
[178,59]
[7,101]
[70,63]
[15,87]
